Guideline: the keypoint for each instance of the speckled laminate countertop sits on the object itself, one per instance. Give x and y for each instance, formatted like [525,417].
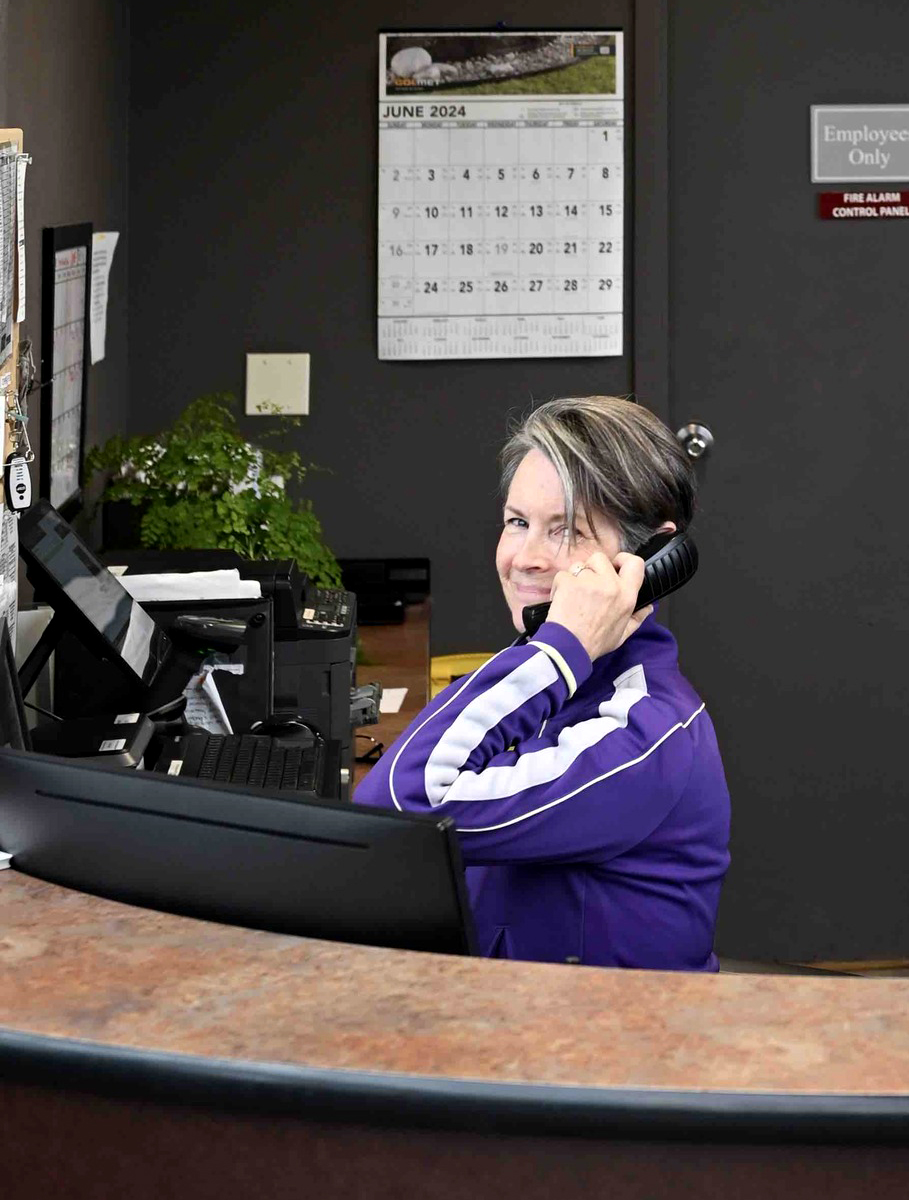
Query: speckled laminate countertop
[80,967]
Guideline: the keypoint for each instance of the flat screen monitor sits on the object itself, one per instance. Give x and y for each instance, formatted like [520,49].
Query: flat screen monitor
[310,868]
[13,727]
[92,602]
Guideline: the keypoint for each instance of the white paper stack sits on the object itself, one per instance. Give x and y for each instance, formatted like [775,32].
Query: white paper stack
[192,585]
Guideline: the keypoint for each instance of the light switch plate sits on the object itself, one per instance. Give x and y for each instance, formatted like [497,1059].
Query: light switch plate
[278,381]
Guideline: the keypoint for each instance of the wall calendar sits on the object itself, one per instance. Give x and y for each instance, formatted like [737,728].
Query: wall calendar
[501,195]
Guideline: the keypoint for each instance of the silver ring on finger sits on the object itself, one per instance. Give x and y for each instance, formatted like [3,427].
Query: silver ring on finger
[578,568]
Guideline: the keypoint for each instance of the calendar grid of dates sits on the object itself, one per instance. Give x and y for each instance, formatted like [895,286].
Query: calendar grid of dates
[500,238]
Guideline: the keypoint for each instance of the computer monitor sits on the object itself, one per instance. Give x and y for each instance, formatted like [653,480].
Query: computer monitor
[13,727]
[310,868]
[91,601]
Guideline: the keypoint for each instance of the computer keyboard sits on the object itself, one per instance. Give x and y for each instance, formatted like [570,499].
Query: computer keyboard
[254,761]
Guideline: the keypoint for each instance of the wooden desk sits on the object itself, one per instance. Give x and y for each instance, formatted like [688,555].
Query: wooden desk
[396,656]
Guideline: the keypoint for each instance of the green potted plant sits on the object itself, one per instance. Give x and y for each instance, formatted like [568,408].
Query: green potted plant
[201,485]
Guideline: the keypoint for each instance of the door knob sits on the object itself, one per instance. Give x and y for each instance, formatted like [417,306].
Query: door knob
[696,439]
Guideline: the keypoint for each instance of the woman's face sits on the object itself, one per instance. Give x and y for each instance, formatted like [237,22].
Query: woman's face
[535,541]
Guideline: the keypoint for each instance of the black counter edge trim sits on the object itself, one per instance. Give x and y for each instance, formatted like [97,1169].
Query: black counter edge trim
[408,1101]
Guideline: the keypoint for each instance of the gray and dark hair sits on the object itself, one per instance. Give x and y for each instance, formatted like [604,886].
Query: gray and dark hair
[612,456]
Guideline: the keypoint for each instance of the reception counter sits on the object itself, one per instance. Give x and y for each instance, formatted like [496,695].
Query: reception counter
[147,1054]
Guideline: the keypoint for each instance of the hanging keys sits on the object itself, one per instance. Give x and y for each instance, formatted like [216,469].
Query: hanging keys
[17,477]
[18,482]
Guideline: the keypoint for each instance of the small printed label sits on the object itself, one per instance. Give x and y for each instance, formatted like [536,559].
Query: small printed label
[871,205]
[308,614]
[175,767]
[112,744]
[126,718]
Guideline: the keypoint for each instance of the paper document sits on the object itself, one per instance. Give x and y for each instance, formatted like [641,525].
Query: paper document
[392,699]
[192,585]
[9,570]
[70,283]
[204,706]
[21,163]
[103,247]
[8,157]
[4,859]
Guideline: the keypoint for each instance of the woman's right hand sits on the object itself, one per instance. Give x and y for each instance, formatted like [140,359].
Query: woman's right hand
[596,603]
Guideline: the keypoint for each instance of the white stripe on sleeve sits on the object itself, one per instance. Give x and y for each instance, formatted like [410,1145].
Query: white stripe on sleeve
[483,713]
[588,783]
[454,695]
[541,767]
[560,662]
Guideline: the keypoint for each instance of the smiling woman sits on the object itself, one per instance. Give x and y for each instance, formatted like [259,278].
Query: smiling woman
[536,541]
[580,767]
[537,544]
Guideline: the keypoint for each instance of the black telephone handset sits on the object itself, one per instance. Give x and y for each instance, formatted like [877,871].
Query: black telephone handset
[670,559]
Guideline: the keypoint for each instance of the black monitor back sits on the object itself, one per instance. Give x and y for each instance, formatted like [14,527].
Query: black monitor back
[308,868]
[13,727]
[88,599]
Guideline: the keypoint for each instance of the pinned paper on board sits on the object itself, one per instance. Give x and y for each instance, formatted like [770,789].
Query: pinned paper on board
[66,287]
[9,571]
[103,247]
[8,170]
[22,161]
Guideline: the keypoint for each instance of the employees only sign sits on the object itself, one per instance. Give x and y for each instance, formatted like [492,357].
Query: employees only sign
[860,143]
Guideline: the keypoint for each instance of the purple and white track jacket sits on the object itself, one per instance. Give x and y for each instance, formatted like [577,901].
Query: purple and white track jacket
[589,799]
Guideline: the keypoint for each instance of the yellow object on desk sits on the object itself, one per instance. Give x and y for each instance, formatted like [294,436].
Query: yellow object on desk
[445,668]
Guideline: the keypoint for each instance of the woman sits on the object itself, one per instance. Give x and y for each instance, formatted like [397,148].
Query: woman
[581,769]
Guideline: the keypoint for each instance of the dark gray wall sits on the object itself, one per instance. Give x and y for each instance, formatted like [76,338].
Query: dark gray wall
[4,18]
[66,85]
[788,336]
[253,219]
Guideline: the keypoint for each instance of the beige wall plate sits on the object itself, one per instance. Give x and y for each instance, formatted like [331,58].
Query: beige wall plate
[277,381]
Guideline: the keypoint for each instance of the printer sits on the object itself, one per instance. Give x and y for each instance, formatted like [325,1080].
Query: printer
[314,643]
[315,659]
